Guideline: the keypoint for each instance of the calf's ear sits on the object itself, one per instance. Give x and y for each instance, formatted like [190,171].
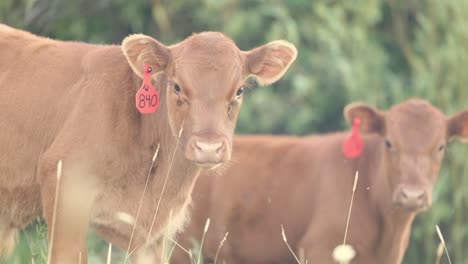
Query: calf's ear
[140,49]
[372,119]
[269,62]
[457,126]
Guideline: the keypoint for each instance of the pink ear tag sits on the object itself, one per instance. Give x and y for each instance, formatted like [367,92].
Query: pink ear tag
[147,97]
[353,145]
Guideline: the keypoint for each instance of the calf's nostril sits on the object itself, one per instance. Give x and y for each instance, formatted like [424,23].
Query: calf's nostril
[413,195]
[196,146]
[208,147]
[421,196]
[220,148]
[404,195]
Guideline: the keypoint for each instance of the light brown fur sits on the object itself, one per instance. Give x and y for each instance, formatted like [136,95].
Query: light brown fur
[305,183]
[75,102]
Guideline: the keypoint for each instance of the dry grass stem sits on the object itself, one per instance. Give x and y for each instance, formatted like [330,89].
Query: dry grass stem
[168,237]
[164,243]
[442,240]
[165,181]
[287,244]
[54,215]
[207,225]
[344,253]
[440,252]
[131,252]
[302,255]
[141,202]
[356,177]
[220,245]
[170,252]
[179,245]
[109,254]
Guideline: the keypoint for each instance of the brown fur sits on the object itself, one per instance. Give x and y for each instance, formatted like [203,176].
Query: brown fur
[305,183]
[75,102]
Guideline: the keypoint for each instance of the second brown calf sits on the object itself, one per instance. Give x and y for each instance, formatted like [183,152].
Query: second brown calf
[306,183]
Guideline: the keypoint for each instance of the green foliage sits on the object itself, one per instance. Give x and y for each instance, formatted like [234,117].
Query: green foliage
[377,51]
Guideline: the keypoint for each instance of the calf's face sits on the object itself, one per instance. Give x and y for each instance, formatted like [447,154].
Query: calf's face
[206,75]
[414,136]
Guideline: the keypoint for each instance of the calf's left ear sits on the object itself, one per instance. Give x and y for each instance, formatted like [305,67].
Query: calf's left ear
[269,62]
[457,126]
[140,49]
[372,119]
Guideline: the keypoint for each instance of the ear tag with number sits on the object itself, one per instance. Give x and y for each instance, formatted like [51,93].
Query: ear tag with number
[354,145]
[147,97]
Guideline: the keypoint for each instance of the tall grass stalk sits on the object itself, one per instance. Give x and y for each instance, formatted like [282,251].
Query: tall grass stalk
[164,242]
[442,240]
[344,253]
[172,249]
[287,244]
[207,225]
[219,247]
[165,181]
[109,254]
[141,202]
[440,252]
[54,215]
[356,177]
[179,245]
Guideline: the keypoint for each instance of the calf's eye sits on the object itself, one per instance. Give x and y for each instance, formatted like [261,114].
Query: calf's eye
[441,148]
[388,144]
[239,92]
[176,88]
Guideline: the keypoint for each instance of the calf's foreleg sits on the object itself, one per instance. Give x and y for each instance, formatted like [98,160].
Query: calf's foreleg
[67,198]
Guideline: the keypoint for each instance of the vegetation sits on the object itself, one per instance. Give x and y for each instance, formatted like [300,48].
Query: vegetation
[377,51]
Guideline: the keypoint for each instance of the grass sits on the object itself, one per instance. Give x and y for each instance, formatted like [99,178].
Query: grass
[207,225]
[442,242]
[289,247]
[220,246]
[33,247]
[33,241]
[344,253]
[56,198]
[141,201]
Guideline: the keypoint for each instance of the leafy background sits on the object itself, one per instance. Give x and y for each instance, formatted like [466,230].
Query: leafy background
[377,51]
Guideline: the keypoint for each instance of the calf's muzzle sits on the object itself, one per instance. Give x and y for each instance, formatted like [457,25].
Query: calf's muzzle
[208,152]
[412,198]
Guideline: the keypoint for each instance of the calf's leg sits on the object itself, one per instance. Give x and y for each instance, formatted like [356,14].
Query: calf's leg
[8,236]
[67,222]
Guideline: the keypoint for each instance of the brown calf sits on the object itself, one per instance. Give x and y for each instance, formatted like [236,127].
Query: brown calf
[76,102]
[306,184]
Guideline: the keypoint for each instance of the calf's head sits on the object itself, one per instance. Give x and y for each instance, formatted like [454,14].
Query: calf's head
[205,76]
[414,135]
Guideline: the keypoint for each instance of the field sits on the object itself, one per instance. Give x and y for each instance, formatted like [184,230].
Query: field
[376,51]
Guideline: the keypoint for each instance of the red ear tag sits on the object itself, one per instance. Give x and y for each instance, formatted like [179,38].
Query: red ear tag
[353,145]
[147,97]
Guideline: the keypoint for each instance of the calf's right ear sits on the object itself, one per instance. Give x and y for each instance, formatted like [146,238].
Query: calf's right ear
[372,119]
[140,49]
[270,62]
[458,126]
